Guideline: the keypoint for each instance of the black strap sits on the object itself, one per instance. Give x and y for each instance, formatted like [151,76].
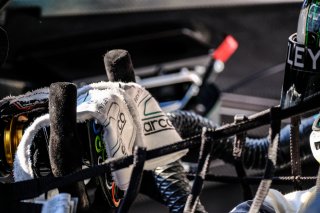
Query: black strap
[135,180]
[203,165]
[264,186]
[295,151]
[33,188]
[238,147]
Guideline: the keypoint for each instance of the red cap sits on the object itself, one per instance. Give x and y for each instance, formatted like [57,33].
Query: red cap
[225,49]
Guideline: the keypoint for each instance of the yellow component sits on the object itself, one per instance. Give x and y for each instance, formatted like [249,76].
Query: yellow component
[12,137]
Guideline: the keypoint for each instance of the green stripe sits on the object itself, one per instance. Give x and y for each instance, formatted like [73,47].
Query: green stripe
[152,117]
[315,11]
[306,29]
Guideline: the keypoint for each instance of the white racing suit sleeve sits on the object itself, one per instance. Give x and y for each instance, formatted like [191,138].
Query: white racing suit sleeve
[279,202]
[294,202]
[276,202]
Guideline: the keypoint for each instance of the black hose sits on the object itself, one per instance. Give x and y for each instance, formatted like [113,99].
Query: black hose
[174,187]
[254,156]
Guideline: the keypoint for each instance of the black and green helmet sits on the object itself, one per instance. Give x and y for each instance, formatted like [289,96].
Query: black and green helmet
[302,71]
[308,31]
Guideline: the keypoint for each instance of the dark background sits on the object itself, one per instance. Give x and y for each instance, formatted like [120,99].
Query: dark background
[72,47]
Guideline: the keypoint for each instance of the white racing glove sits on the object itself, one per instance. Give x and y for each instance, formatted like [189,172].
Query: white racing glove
[130,116]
